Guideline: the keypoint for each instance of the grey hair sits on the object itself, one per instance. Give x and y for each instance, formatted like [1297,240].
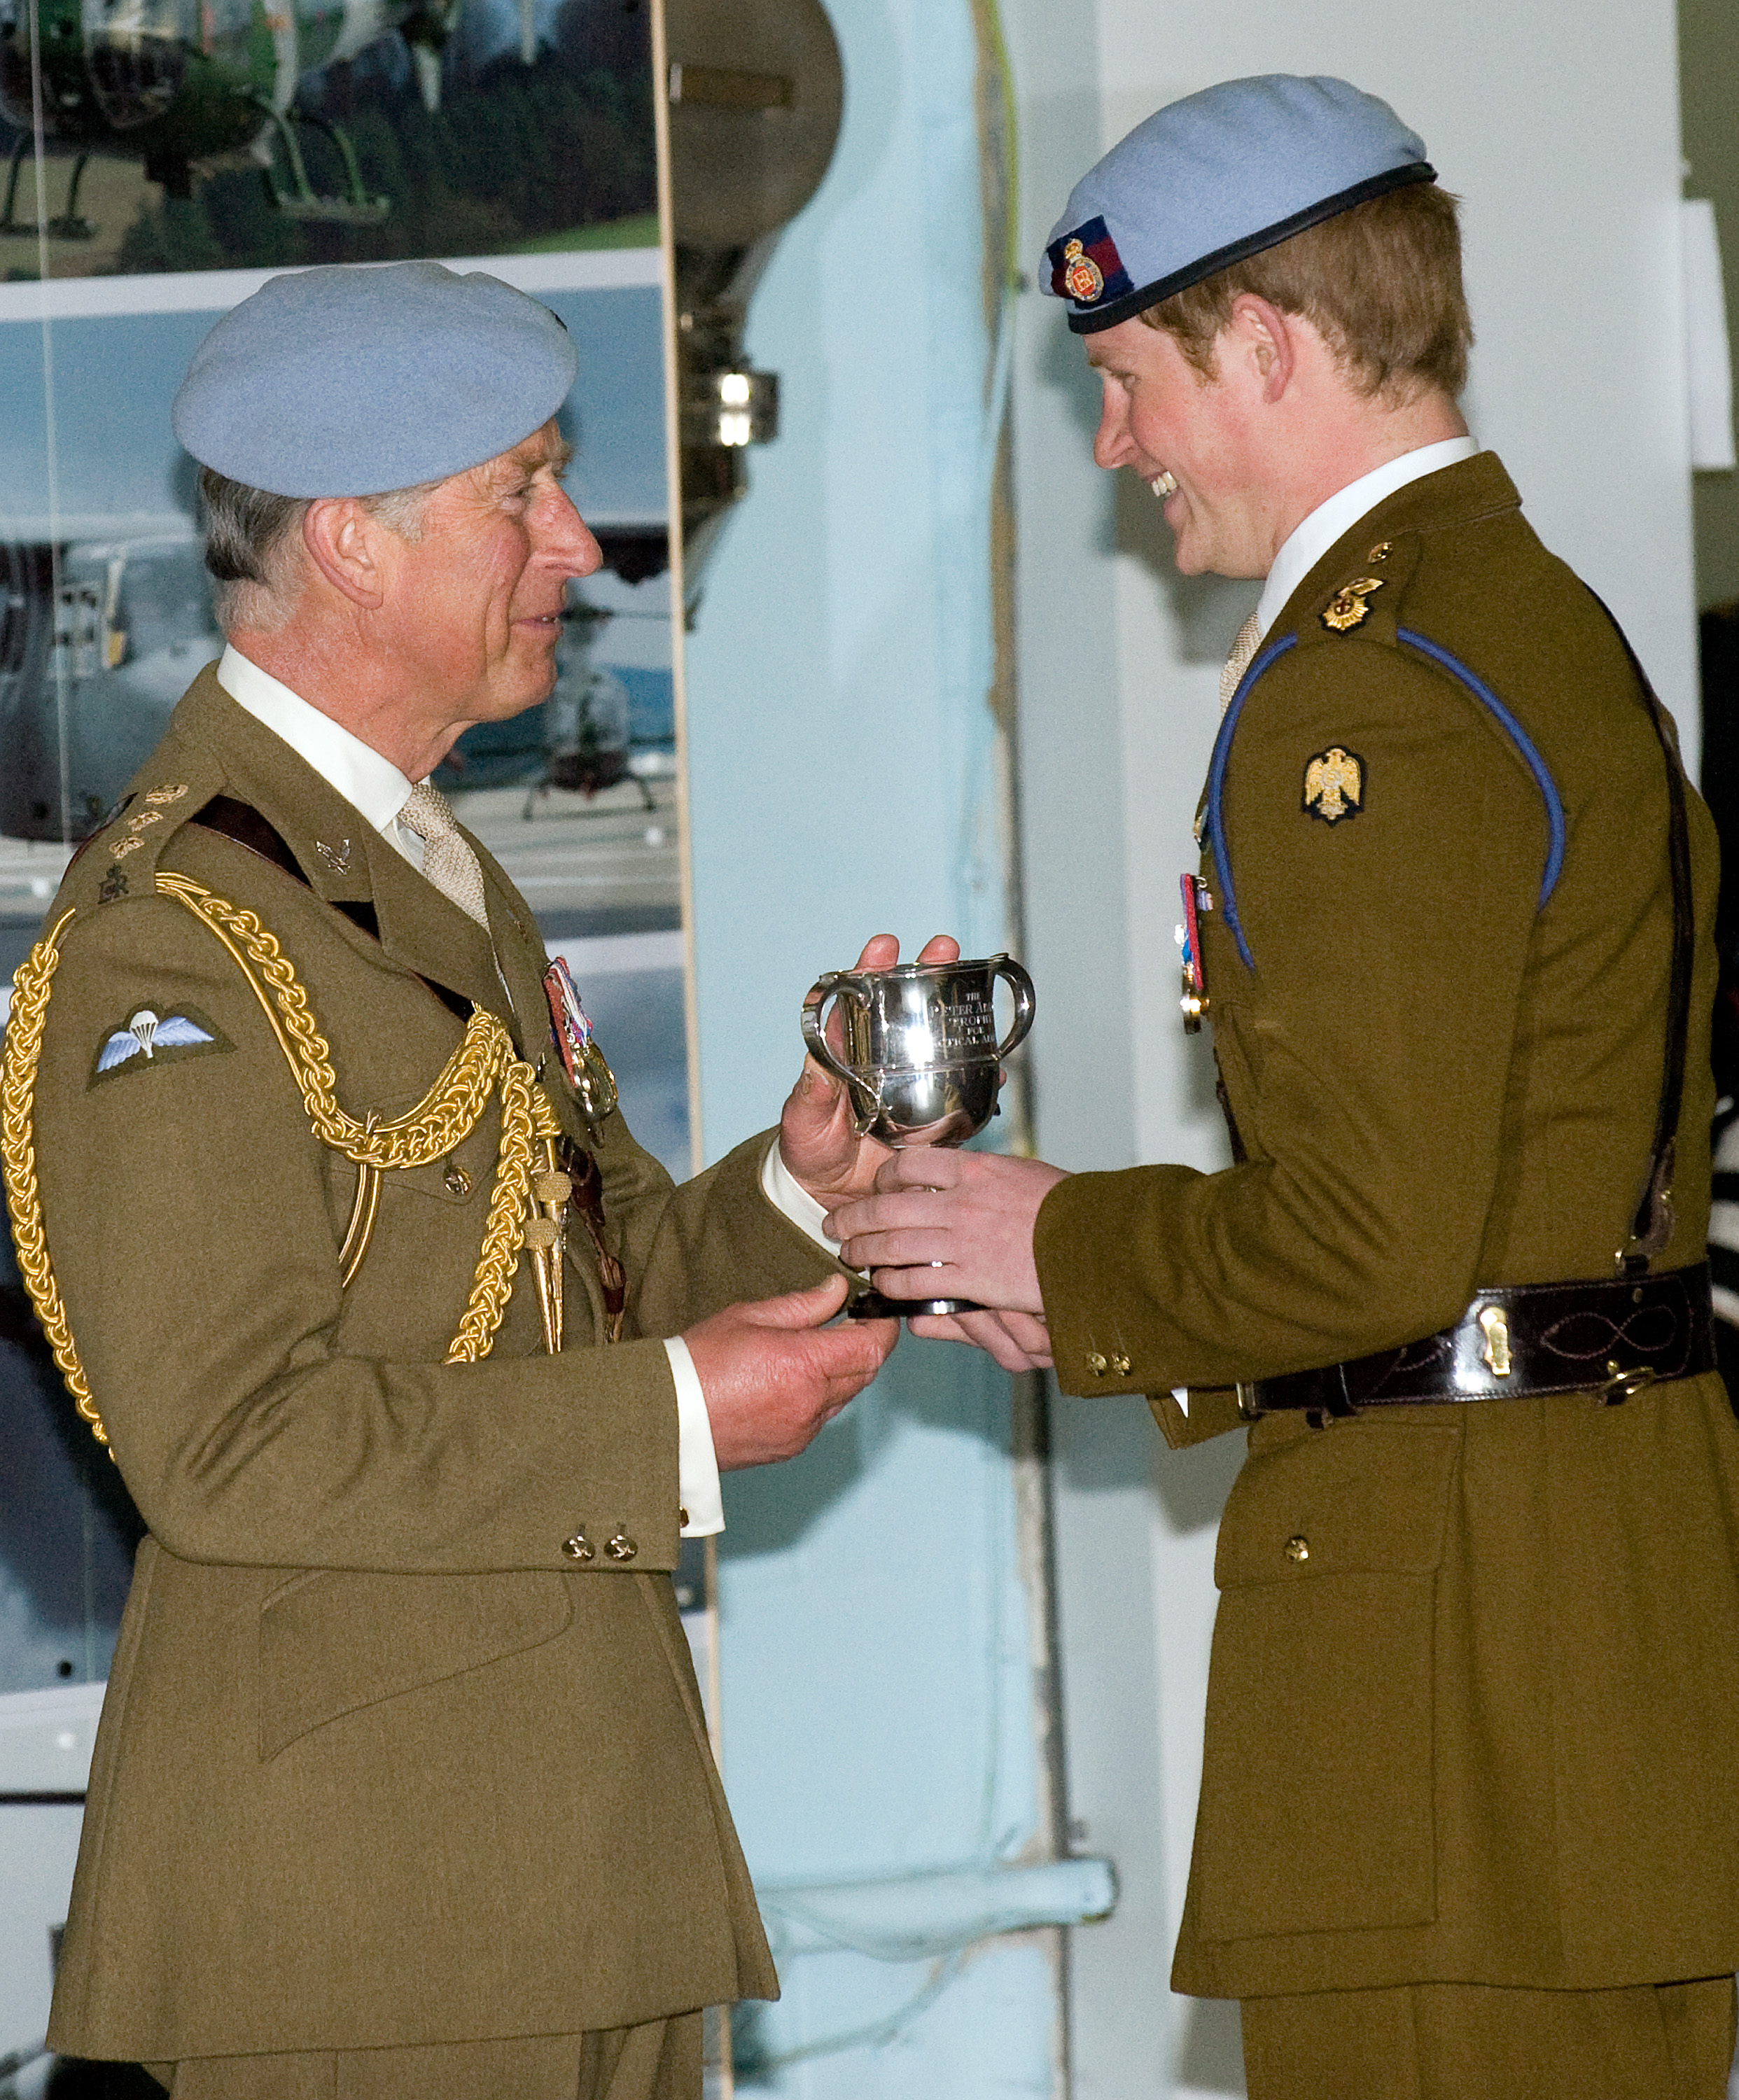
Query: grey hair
[253,544]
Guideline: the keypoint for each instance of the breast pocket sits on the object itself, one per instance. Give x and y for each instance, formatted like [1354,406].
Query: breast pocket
[332,1642]
[1317,1811]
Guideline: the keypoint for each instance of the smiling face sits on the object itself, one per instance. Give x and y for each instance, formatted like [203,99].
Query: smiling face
[475,601]
[1192,437]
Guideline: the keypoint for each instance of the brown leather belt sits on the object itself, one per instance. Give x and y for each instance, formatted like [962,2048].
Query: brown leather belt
[1518,1343]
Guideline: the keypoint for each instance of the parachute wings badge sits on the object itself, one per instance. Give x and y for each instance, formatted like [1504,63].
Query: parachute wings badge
[1333,785]
[158,1039]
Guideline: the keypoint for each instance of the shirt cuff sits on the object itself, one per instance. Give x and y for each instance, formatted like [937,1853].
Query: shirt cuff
[697,1462]
[785,1192]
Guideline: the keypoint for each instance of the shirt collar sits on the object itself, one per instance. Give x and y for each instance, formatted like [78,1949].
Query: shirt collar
[1313,536]
[372,783]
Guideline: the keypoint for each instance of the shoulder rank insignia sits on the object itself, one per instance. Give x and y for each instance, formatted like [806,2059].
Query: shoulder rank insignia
[160,1039]
[1348,607]
[1333,785]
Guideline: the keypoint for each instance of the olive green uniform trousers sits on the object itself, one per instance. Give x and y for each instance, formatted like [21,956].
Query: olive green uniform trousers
[1472,2041]
[660,2060]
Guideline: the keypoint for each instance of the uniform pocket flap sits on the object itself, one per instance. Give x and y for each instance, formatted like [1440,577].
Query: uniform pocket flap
[1355,1497]
[331,1641]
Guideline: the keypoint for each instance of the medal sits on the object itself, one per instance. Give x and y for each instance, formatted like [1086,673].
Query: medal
[590,1077]
[1194,1000]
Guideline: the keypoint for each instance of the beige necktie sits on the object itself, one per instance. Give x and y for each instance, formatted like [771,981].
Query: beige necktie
[447,859]
[1238,662]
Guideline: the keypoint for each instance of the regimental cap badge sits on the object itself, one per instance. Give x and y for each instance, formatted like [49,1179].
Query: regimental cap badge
[1333,785]
[1084,277]
[1348,607]
[1085,266]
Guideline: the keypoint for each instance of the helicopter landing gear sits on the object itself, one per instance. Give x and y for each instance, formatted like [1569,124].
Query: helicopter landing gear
[301,200]
[70,226]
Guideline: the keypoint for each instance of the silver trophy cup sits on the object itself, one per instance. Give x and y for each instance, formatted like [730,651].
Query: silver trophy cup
[919,1061]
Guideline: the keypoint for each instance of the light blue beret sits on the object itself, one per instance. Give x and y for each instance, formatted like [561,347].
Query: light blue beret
[353,381]
[1221,176]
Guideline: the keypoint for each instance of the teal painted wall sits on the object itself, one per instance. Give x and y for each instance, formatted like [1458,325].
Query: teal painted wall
[874,1634]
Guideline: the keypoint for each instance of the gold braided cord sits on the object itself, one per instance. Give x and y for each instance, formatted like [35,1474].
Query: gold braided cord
[526,1114]
[24,1050]
[445,1117]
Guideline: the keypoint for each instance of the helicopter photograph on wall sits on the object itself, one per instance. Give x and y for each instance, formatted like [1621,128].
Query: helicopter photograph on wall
[201,134]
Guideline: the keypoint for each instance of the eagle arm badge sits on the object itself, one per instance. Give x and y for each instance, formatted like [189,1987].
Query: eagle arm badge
[1333,785]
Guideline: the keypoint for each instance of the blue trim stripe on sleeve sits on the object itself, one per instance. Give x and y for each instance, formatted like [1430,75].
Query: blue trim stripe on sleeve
[1213,832]
[1523,743]
[1216,781]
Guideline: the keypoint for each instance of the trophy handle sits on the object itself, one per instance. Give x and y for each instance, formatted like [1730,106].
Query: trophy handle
[863,1103]
[1020,985]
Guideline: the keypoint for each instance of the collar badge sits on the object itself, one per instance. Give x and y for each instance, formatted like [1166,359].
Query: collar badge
[337,858]
[1347,607]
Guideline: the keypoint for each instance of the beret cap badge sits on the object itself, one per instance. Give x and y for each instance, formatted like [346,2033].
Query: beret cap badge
[1085,265]
[1084,277]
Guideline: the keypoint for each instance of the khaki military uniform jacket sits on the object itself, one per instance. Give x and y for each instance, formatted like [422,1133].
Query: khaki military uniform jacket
[380,1762]
[1484,1727]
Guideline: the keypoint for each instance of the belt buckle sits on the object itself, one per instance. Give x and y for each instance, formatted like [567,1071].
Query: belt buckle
[1619,1386]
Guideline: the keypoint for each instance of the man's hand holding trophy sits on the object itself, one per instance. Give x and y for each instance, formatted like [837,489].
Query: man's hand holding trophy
[904,1068]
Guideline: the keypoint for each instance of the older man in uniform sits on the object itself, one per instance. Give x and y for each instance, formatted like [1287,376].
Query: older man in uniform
[1469,1824]
[414,1363]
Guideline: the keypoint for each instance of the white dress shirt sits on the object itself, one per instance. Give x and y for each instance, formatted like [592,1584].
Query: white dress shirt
[376,788]
[1313,536]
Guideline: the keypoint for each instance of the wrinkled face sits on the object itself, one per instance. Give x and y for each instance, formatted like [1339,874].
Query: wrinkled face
[1188,434]
[477,597]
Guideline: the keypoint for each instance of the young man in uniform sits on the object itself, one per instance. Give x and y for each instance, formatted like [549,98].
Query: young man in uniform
[414,1363]
[1468,1822]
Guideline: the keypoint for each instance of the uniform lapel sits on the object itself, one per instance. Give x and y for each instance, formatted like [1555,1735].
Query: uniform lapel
[427,933]
[346,862]
[519,950]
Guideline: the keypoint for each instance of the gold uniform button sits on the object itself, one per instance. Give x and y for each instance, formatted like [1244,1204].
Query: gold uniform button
[1096,1364]
[458,1181]
[1298,1548]
[579,1547]
[1121,1364]
[621,1547]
